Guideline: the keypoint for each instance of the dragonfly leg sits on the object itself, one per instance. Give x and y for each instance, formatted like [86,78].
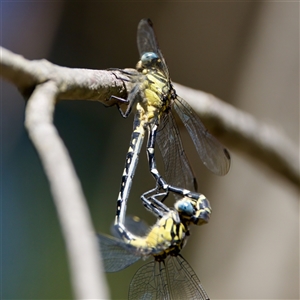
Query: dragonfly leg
[201,205]
[152,131]
[132,99]
[154,205]
[151,207]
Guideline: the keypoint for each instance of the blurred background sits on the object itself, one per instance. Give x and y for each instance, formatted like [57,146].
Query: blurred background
[246,53]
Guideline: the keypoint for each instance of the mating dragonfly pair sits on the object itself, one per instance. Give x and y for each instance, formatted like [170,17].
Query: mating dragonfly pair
[169,276]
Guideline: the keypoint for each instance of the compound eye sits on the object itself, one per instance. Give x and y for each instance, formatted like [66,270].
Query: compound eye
[149,58]
[185,207]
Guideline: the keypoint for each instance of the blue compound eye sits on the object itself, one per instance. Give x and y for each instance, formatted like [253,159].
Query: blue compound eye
[149,58]
[185,207]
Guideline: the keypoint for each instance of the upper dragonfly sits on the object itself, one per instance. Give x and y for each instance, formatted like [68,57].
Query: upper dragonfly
[155,100]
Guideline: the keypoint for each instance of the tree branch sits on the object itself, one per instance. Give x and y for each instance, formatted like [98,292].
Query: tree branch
[238,129]
[43,83]
[79,235]
[72,84]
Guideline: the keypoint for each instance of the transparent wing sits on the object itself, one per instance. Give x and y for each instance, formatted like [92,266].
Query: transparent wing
[178,171]
[212,153]
[184,282]
[148,283]
[116,254]
[170,279]
[146,41]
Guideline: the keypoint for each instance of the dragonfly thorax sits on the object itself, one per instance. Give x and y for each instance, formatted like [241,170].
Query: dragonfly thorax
[167,236]
[155,96]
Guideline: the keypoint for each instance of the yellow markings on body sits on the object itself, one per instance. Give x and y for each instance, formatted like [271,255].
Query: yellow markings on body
[152,104]
[159,240]
[156,82]
[130,149]
[133,143]
[136,219]
[207,209]
[139,243]
[151,150]
[169,227]
[202,197]
[152,98]
[138,129]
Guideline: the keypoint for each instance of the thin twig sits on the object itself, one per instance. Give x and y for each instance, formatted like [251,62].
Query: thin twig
[80,238]
[74,84]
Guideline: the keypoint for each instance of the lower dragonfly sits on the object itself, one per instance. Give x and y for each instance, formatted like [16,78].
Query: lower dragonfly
[168,276]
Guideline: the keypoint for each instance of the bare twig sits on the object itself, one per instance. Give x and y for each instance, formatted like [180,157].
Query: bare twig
[80,238]
[75,84]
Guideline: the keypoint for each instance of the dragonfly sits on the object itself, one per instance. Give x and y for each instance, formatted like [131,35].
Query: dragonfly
[155,101]
[168,276]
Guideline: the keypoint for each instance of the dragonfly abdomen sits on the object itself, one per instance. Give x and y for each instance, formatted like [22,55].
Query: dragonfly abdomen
[131,161]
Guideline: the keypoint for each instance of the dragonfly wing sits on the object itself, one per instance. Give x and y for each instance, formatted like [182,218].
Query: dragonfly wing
[147,42]
[212,153]
[183,281]
[149,283]
[146,39]
[178,171]
[114,254]
[172,278]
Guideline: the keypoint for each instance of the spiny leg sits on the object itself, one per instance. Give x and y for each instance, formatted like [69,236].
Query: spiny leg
[161,182]
[153,204]
[152,132]
[132,98]
[201,208]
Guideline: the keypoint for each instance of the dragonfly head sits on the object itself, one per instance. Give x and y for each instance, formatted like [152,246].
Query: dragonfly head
[194,211]
[149,59]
